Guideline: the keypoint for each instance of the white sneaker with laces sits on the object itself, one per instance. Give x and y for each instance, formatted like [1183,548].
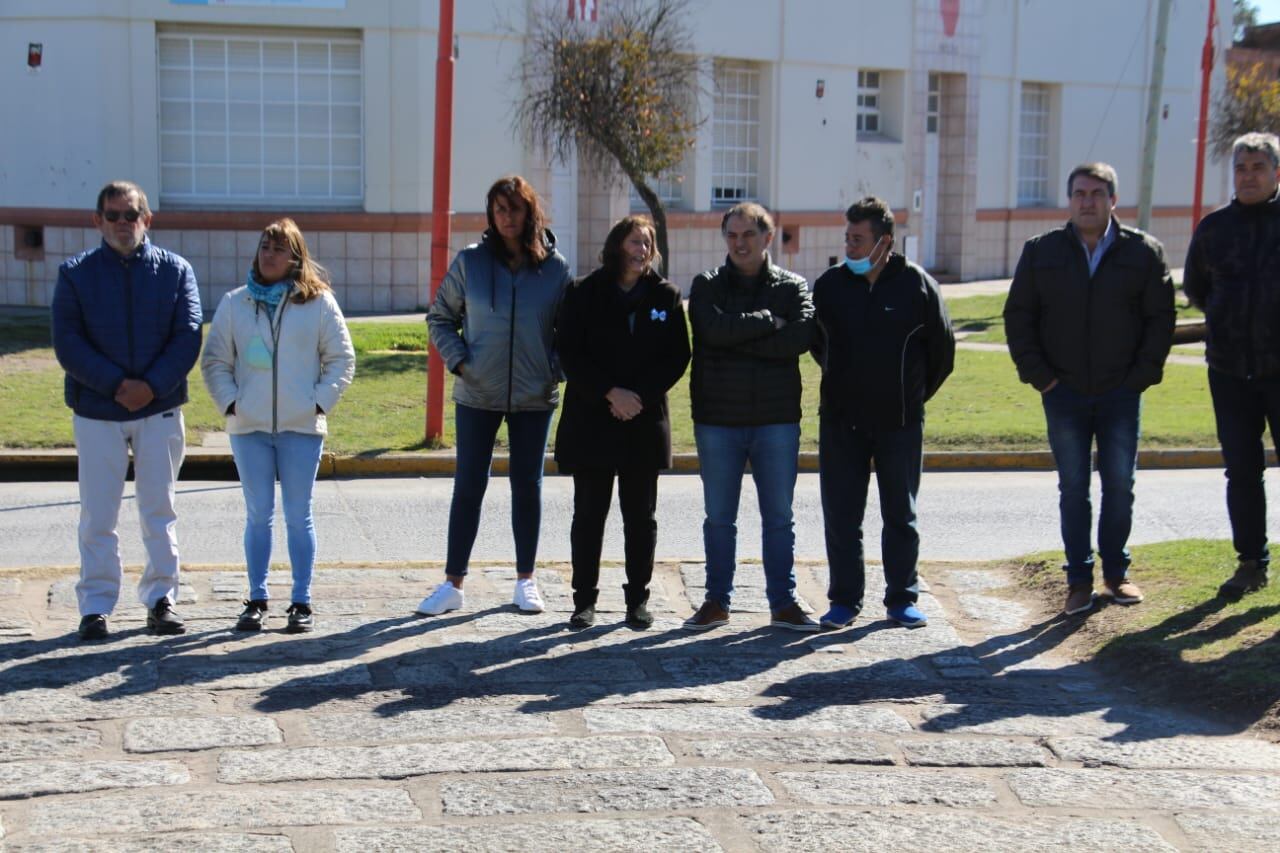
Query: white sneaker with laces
[445,598]
[526,596]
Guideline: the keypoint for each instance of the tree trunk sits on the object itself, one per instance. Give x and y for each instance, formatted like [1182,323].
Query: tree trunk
[659,215]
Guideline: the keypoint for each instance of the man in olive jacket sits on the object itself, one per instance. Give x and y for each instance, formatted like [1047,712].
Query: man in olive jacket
[1233,274]
[1089,319]
[751,323]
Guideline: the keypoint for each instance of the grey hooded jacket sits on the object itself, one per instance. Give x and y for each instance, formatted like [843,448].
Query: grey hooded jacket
[495,329]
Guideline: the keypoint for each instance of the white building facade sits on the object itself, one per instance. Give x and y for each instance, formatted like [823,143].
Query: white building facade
[965,115]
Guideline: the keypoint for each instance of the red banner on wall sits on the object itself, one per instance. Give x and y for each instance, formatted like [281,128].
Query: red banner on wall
[583,10]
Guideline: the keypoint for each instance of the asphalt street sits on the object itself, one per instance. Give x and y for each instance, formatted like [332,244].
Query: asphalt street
[963,516]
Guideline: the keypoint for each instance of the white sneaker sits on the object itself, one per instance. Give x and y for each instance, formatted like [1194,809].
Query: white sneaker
[445,598]
[526,596]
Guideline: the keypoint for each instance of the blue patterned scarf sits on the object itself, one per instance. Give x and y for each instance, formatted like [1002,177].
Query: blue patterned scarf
[268,294]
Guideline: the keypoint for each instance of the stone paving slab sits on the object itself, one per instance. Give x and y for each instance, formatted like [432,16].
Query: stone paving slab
[33,778]
[675,789]
[37,706]
[405,760]
[883,788]
[788,750]
[223,842]
[19,743]
[1145,789]
[169,734]
[794,832]
[174,812]
[674,834]
[1170,753]
[1246,833]
[10,587]
[445,723]
[970,752]
[739,720]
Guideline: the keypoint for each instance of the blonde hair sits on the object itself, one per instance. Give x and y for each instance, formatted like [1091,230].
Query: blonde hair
[309,278]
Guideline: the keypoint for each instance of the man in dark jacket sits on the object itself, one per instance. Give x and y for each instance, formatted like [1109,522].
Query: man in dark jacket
[885,346]
[1089,320]
[126,329]
[1233,275]
[751,323]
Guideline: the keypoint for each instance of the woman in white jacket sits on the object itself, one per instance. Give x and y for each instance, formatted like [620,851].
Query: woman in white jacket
[277,358]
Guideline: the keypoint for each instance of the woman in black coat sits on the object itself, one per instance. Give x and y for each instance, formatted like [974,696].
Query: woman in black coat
[623,343]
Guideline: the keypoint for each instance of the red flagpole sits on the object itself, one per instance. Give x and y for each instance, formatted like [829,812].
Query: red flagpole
[441,215]
[1206,71]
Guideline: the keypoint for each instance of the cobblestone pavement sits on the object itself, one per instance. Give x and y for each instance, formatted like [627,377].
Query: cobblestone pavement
[491,730]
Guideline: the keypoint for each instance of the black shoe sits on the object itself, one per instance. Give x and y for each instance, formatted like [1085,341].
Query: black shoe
[163,620]
[639,617]
[1249,577]
[583,617]
[300,621]
[93,627]
[255,612]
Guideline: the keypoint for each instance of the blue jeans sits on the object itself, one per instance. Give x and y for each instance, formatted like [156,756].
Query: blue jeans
[723,453]
[1074,421]
[844,472]
[294,458]
[476,430]
[1243,409]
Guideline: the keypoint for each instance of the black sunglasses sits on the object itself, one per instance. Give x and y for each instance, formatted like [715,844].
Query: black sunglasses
[129,215]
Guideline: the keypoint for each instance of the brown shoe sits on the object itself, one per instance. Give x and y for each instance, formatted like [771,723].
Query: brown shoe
[793,618]
[1079,598]
[1250,576]
[710,615]
[1122,591]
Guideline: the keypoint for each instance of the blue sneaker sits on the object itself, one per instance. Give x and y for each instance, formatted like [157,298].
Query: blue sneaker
[838,616]
[907,615]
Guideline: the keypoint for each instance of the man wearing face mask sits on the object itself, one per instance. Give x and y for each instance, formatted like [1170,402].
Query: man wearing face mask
[1233,274]
[885,346]
[1089,318]
[126,329]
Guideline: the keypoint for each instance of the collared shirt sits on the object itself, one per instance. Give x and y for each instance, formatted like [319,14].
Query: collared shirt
[1104,242]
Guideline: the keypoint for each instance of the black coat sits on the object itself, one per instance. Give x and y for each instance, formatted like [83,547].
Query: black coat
[599,350]
[1233,274]
[746,372]
[884,349]
[1093,334]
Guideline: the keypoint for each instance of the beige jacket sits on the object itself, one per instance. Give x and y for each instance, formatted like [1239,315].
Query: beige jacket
[277,370]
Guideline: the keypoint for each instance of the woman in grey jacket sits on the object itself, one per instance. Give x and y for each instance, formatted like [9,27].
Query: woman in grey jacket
[493,323]
[277,359]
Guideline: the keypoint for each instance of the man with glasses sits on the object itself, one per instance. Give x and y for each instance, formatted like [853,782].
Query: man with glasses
[126,329]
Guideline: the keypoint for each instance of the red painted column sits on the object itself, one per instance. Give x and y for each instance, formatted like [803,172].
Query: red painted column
[1206,72]
[441,215]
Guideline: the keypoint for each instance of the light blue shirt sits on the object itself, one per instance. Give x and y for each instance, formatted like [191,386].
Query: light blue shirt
[1104,243]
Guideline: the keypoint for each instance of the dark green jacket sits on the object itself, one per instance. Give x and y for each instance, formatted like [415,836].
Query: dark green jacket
[746,372]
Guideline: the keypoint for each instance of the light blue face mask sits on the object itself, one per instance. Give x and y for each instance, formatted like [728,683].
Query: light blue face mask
[862,266]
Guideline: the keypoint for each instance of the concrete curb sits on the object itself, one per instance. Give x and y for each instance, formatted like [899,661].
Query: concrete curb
[217,464]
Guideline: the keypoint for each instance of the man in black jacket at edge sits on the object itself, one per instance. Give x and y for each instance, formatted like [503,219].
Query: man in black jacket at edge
[1233,275]
[1089,319]
[885,346]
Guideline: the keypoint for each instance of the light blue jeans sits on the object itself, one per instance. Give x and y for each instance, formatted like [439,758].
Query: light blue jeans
[293,458]
[723,453]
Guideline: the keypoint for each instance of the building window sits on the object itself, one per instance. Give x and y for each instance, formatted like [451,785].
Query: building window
[1033,145]
[735,128]
[933,104]
[254,120]
[668,188]
[868,102]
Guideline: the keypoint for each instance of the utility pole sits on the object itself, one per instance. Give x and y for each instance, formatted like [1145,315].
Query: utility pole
[440,212]
[1154,95]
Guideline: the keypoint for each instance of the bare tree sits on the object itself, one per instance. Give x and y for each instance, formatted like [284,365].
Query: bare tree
[622,91]
[1250,102]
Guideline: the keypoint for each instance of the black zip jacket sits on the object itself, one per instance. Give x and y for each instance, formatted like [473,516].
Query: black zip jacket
[884,349]
[1093,334]
[1233,275]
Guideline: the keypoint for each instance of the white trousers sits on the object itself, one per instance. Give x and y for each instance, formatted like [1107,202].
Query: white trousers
[158,443]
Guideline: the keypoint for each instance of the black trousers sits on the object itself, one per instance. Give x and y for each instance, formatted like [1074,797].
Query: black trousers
[638,499]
